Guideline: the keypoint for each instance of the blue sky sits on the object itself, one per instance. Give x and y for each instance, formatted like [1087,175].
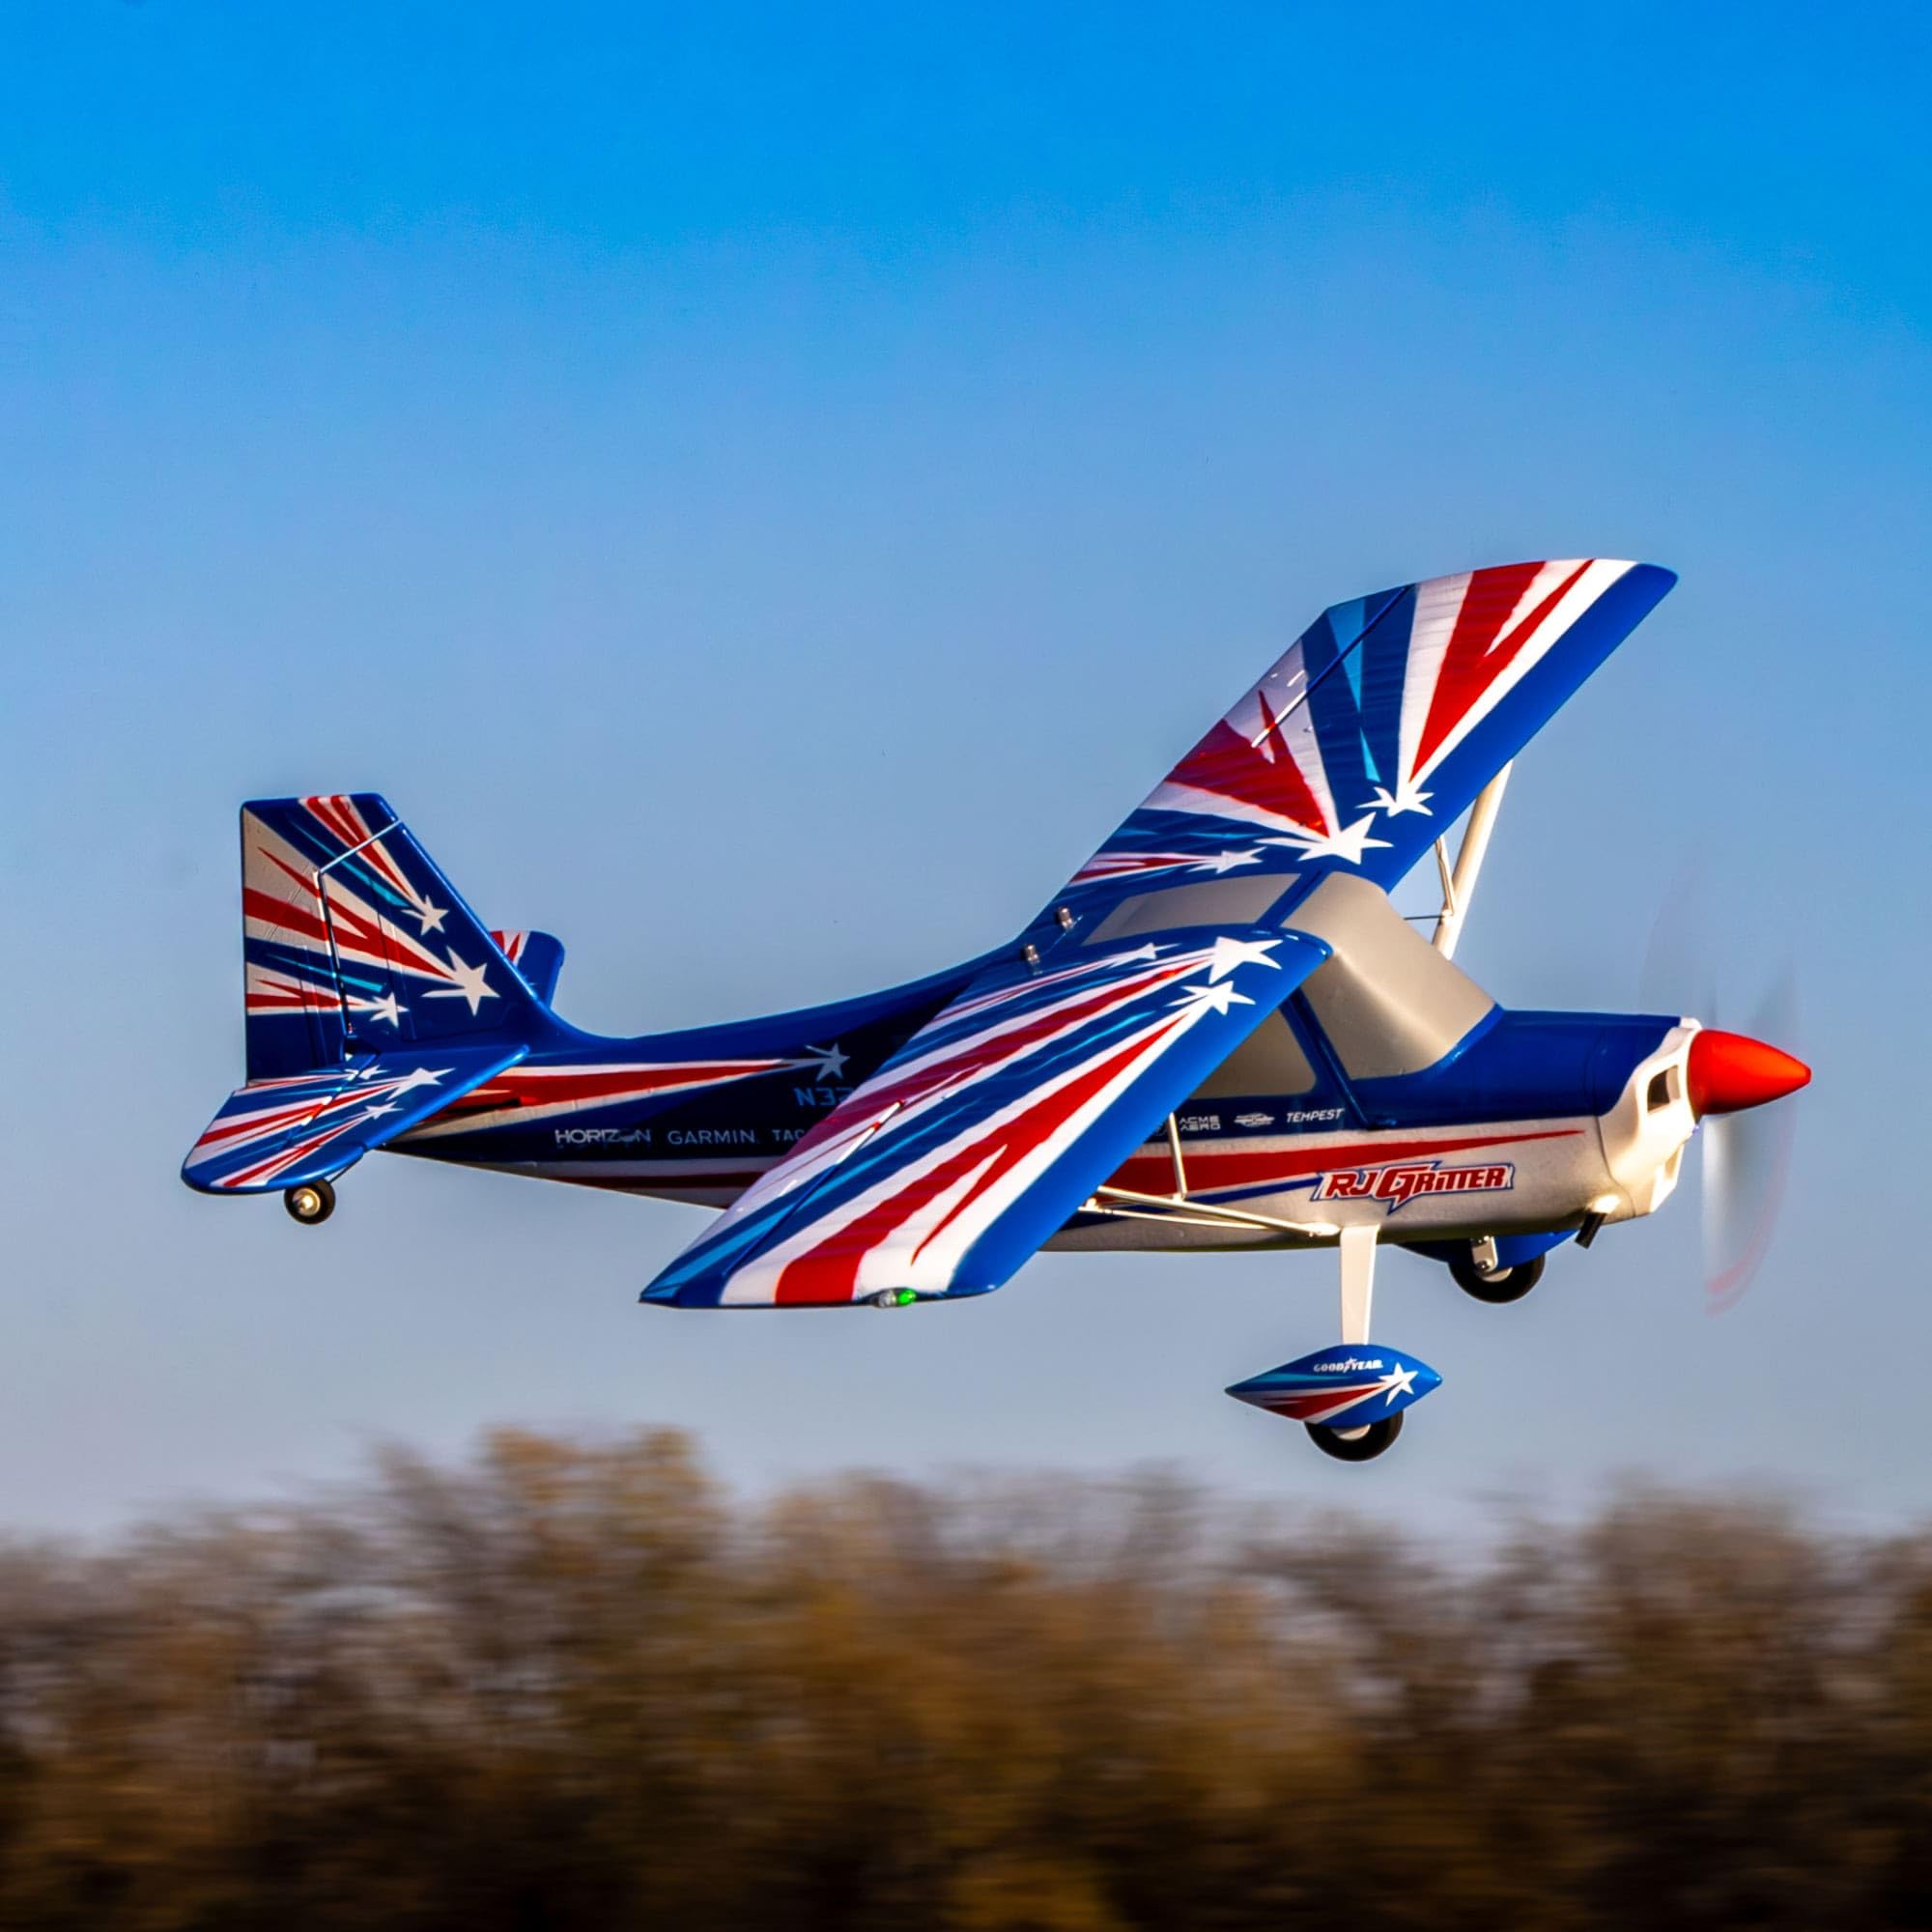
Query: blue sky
[764,490]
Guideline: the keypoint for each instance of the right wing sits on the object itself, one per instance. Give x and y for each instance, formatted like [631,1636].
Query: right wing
[986,1132]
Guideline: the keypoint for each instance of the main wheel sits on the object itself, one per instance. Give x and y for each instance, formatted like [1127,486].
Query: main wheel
[1497,1285]
[311,1204]
[1355,1445]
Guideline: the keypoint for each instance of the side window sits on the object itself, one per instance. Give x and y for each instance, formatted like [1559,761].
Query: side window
[1269,1061]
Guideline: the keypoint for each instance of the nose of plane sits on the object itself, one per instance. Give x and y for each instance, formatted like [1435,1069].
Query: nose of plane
[1731,1072]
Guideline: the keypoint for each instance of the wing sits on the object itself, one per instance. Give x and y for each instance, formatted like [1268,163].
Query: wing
[1363,743]
[942,1173]
[308,1127]
[1375,731]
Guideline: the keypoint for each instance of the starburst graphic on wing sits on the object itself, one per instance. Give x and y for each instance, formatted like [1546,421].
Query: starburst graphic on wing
[1230,954]
[1213,999]
[1218,863]
[1408,796]
[1349,844]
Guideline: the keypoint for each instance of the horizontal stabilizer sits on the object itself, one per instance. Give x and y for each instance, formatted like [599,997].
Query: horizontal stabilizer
[309,1126]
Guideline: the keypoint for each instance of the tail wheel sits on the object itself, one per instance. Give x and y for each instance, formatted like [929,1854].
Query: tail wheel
[1355,1445]
[1497,1285]
[311,1204]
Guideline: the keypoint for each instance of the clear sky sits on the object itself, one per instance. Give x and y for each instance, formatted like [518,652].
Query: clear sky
[763,491]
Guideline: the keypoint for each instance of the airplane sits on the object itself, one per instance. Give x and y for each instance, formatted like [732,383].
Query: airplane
[1220,1034]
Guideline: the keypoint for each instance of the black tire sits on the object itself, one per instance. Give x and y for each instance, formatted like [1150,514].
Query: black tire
[311,1204]
[1498,1285]
[1352,1447]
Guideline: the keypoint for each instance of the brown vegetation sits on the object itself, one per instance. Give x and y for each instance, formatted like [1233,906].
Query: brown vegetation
[572,1687]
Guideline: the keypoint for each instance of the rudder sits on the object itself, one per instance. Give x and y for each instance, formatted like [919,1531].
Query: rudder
[353,941]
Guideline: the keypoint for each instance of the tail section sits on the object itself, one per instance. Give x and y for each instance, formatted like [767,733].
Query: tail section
[355,944]
[305,1127]
[537,955]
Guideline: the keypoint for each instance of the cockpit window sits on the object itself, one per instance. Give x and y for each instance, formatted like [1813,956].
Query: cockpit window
[1387,1001]
[1238,901]
[1269,1061]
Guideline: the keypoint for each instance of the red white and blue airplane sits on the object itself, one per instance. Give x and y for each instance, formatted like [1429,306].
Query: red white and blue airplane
[1220,1034]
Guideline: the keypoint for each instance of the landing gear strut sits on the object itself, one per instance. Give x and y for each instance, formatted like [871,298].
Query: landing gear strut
[1365,1440]
[1350,1397]
[311,1204]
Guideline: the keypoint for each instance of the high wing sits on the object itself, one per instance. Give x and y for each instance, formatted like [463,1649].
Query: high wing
[309,1126]
[1359,748]
[942,1173]
[1373,732]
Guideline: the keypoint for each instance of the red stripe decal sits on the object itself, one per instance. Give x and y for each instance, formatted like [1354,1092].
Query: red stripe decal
[1209,1169]
[1476,654]
[830,1272]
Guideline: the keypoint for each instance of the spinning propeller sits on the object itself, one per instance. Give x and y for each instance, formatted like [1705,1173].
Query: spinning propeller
[1744,1158]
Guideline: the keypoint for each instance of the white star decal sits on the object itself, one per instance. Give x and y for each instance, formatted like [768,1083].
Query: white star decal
[1215,998]
[423,1076]
[388,1008]
[1406,796]
[831,1061]
[1398,1381]
[1228,953]
[1226,862]
[1347,844]
[430,917]
[471,984]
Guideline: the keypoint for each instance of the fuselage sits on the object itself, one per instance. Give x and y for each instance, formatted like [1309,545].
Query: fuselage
[1530,1122]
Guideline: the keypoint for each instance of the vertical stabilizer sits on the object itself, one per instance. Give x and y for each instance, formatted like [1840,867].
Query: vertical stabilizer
[355,941]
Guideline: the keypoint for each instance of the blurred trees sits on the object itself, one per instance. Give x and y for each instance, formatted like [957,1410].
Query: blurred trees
[572,1686]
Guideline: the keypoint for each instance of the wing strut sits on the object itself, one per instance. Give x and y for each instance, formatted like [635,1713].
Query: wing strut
[1458,883]
[1125,1204]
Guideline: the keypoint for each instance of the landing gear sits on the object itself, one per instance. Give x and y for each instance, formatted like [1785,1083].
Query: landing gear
[1496,1284]
[1365,1441]
[1356,1445]
[1350,1397]
[311,1204]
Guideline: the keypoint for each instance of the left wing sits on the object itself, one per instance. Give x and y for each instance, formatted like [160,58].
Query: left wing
[942,1173]
[309,1126]
[1375,730]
